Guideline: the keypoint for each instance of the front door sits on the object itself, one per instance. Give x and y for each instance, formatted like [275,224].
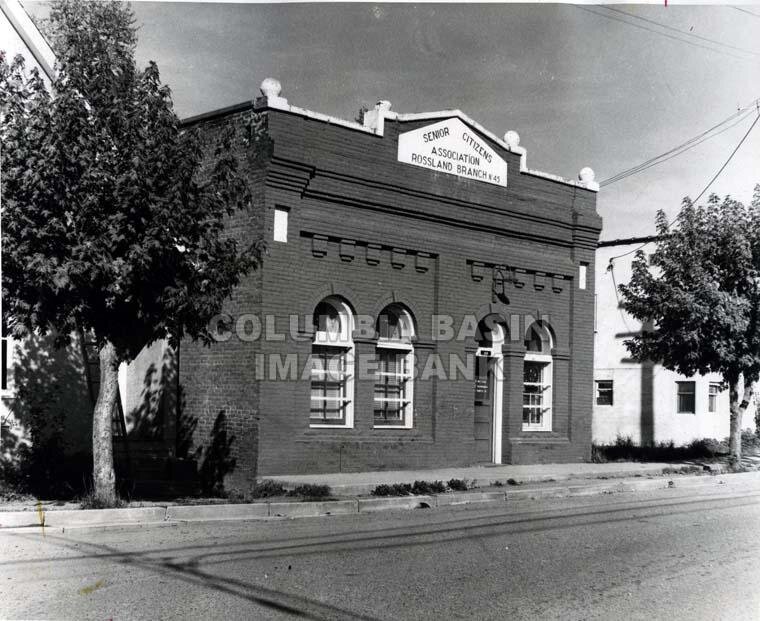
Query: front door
[484,407]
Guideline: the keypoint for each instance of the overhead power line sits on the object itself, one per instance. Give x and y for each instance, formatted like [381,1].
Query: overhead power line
[737,117]
[659,32]
[722,168]
[746,11]
[730,157]
[683,32]
[681,152]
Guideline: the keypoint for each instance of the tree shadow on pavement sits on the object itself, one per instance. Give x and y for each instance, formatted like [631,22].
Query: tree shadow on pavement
[290,603]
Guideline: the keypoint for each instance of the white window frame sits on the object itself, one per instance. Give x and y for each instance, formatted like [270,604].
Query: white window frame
[342,343]
[583,275]
[280,226]
[407,398]
[545,384]
[547,380]
[712,397]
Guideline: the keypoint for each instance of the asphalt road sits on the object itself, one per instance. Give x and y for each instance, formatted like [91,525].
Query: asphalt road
[672,554]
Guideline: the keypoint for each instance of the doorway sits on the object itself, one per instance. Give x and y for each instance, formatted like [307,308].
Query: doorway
[489,389]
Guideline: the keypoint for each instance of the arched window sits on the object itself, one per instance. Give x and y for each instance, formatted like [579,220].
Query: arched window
[394,384]
[332,365]
[537,379]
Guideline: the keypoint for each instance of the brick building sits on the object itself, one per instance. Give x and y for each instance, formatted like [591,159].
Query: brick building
[426,300]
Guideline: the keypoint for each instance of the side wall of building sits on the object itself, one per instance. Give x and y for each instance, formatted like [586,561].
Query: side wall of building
[219,397]
[644,394]
[18,35]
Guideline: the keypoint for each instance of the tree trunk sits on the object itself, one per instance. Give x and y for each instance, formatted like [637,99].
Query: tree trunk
[103,476]
[737,413]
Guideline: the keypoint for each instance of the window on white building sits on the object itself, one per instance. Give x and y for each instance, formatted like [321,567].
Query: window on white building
[6,362]
[712,404]
[6,355]
[280,225]
[394,383]
[537,379]
[332,365]
[604,392]
[686,398]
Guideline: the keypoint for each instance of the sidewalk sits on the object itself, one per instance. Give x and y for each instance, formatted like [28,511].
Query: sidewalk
[362,483]
[40,519]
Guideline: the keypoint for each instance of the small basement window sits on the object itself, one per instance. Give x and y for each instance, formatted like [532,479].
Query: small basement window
[604,393]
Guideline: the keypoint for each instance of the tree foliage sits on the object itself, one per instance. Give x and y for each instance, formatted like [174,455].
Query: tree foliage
[700,290]
[703,293]
[113,215]
[109,218]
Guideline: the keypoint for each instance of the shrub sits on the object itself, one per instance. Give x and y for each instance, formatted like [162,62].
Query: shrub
[418,488]
[310,491]
[598,455]
[458,485]
[266,489]
[624,449]
[43,470]
[424,487]
[750,439]
[395,489]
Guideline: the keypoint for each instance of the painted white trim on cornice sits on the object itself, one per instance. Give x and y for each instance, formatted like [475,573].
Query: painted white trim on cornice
[30,35]
[279,103]
[282,104]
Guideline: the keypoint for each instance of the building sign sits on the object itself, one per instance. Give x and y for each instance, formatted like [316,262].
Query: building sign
[483,377]
[451,147]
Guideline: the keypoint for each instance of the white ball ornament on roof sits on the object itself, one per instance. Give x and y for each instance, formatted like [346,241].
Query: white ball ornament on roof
[586,175]
[512,138]
[271,88]
[383,105]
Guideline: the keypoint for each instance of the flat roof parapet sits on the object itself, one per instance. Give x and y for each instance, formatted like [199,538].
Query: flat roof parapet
[374,123]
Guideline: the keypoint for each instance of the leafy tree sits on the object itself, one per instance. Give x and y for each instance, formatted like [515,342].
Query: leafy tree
[111,219]
[700,290]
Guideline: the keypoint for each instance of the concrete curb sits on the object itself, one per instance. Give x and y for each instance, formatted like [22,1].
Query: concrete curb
[630,485]
[465,498]
[364,489]
[395,502]
[18,519]
[78,517]
[137,516]
[313,509]
[199,513]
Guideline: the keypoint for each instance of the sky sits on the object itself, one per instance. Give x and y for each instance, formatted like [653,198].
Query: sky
[601,86]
